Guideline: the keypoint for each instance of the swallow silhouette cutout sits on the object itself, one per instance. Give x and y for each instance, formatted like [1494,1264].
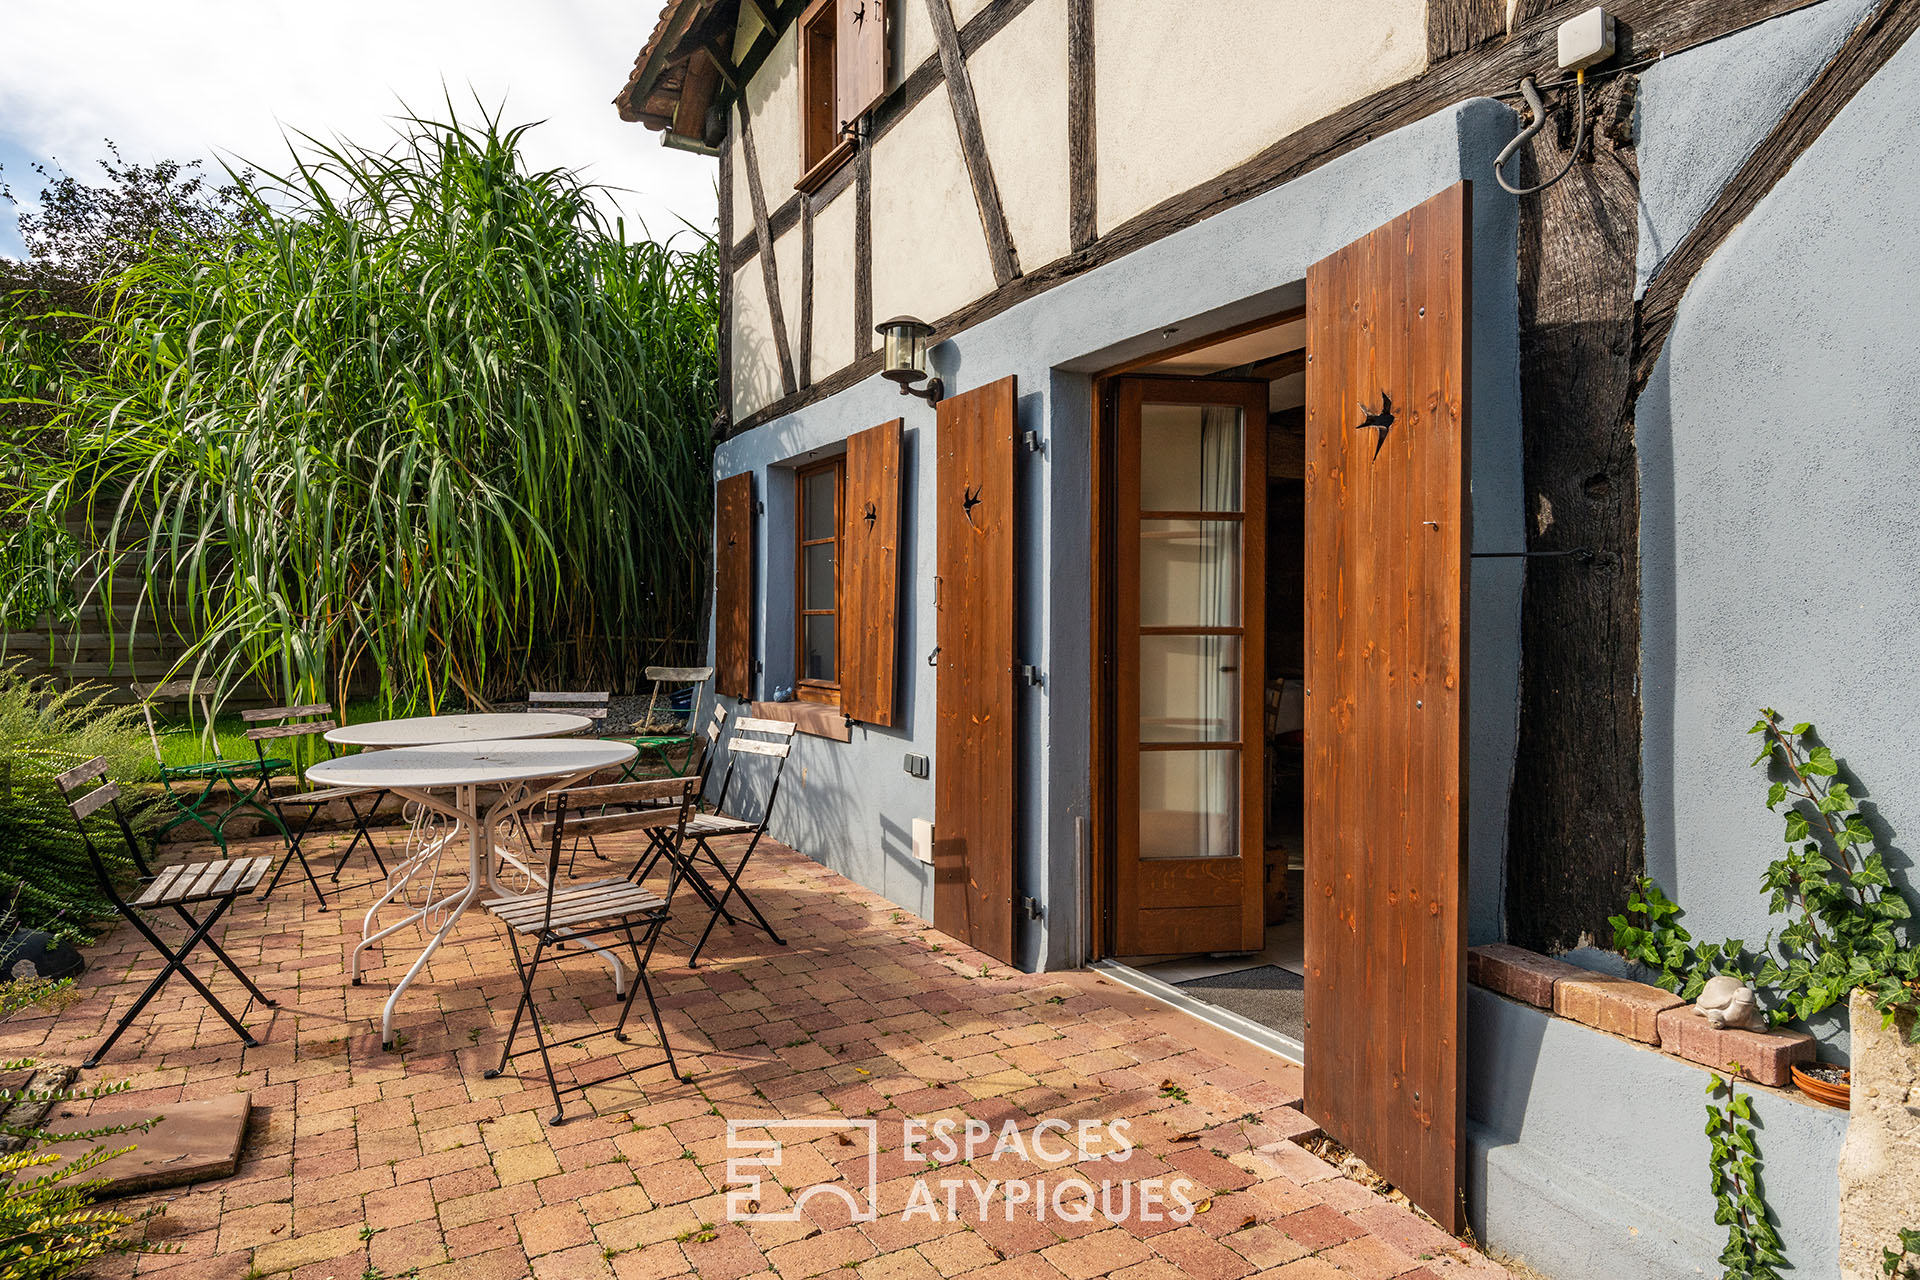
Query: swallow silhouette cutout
[870,516]
[1381,421]
[970,498]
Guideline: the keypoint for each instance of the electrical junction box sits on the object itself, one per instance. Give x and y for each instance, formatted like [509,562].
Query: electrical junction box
[923,840]
[1586,39]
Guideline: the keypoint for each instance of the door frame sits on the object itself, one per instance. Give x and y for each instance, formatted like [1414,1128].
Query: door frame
[1101,747]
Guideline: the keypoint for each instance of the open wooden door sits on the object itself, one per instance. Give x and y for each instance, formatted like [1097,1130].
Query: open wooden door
[973,768]
[1386,667]
[1189,650]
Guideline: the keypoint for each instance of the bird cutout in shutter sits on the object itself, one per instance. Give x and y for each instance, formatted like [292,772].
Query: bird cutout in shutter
[1381,421]
[970,498]
[870,516]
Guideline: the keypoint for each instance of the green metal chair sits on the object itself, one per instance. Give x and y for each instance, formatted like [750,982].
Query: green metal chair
[245,781]
[664,733]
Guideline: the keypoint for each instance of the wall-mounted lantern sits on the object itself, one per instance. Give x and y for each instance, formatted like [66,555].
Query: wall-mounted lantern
[904,357]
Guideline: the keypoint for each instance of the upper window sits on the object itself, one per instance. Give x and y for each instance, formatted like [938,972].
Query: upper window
[843,72]
[822,143]
[818,588]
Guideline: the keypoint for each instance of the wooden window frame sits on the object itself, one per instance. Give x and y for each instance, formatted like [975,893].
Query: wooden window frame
[823,148]
[806,690]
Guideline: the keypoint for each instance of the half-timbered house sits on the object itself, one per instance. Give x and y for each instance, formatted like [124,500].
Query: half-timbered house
[1182,497]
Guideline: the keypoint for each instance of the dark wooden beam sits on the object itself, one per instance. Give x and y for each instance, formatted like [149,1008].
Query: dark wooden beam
[724,65]
[973,142]
[925,78]
[1867,50]
[1574,829]
[1082,191]
[767,16]
[725,336]
[863,250]
[1668,26]
[805,370]
[1455,26]
[769,270]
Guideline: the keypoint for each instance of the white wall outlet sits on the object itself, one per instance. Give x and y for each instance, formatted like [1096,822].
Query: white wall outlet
[923,840]
[1586,39]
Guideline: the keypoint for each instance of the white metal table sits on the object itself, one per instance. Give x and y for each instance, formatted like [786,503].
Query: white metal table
[428,731]
[449,780]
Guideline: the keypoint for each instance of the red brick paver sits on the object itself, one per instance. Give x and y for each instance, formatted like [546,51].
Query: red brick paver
[367,1162]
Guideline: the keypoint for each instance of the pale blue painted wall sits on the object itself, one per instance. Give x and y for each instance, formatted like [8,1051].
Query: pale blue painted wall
[851,805]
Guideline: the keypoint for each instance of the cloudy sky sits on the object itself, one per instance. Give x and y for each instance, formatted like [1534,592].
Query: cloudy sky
[206,78]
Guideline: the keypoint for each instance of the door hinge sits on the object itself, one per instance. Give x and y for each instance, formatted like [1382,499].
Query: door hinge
[1033,442]
[1029,674]
[1031,909]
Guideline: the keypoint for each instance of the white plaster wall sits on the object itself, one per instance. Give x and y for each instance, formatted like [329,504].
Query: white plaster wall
[773,100]
[756,362]
[1185,89]
[787,257]
[914,44]
[833,287]
[929,253]
[1019,80]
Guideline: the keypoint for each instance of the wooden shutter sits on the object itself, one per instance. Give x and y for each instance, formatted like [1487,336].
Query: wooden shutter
[733,586]
[1386,670]
[860,57]
[870,574]
[974,729]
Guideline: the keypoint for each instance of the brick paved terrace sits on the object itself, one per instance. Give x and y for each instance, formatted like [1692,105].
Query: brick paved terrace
[365,1163]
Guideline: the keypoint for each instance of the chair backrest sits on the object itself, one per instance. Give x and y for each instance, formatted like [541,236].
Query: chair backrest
[752,737]
[307,720]
[591,705]
[668,678]
[186,690]
[87,790]
[706,746]
[652,804]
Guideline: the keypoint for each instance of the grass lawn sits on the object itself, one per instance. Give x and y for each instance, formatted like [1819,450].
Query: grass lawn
[182,743]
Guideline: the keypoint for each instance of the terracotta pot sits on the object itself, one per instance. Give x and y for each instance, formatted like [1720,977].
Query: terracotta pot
[1834,1095]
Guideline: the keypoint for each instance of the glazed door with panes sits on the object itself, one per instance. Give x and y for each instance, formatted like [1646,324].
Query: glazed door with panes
[1189,646]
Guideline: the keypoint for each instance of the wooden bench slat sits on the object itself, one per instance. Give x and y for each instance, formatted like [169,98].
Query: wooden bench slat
[94,799]
[94,768]
[571,698]
[752,747]
[161,883]
[286,713]
[784,728]
[289,730]
[681,675]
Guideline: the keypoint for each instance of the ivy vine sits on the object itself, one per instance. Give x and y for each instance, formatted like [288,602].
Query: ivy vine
[1753,1245]
[1845,918]
[1897,1264]
[1844,913]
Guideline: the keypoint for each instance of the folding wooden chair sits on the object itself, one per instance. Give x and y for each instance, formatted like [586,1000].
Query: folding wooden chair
[217,884]
[311,720]
[211,774]
[591,705]
[663,732]
[571,912]
[774,740]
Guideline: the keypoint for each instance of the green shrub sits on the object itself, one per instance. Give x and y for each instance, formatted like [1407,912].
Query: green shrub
[44,731]
[49,1225]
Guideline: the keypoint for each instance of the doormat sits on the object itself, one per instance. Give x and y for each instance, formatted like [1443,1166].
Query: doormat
[193,1142]
[1269,995]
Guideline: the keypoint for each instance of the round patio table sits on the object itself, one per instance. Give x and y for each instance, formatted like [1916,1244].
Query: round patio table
[448,779]
[428,731]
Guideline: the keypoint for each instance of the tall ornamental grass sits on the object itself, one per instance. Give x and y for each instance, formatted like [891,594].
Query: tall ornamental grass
[422,422]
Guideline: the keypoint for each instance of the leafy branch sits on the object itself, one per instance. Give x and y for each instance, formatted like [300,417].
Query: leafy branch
[1661,943]
[1843,909]
[1753,1245]
[1896,1264]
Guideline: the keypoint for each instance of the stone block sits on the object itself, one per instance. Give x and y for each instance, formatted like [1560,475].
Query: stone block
[193,1142]
[1518,973]
[1615,1005]
[1764,1056]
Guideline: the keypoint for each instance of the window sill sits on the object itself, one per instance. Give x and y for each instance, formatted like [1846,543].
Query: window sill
[808,717]
[815,177]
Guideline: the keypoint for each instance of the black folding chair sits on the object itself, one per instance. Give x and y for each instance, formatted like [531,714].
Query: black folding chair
[773,740]
[566,912]
[593,706]
[310,720]
[217,883]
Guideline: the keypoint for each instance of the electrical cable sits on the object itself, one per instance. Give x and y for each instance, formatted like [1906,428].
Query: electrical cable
[1539,110]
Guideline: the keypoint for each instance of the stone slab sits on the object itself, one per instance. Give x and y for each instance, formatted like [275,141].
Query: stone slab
[1516,972]
[194,1142]
[1763,1056]
[1615,1005]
